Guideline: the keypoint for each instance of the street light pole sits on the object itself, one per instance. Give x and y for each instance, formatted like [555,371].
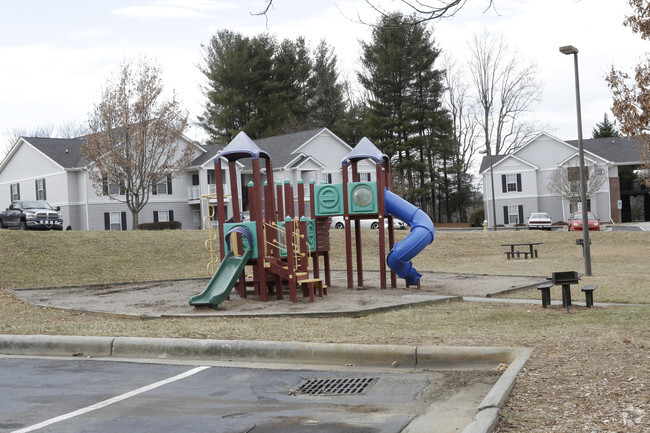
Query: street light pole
[586,243]
[494,206]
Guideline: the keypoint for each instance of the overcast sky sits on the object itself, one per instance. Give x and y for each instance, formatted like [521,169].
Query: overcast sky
[57,55]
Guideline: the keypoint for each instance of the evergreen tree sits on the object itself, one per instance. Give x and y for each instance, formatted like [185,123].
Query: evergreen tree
[604,129]
[240,75]
[405,115]
[293,71]
[327,106]
[267,88]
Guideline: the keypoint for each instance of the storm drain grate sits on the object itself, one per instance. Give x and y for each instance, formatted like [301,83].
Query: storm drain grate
[337,386]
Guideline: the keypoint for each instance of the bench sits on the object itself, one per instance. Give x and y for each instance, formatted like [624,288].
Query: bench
[546,293]
[518,253]
[589,295]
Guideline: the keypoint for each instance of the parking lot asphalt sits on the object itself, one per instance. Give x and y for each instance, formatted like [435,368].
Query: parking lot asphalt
[219,386]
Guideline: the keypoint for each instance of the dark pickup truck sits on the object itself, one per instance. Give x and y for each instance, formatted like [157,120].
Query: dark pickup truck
[31,214]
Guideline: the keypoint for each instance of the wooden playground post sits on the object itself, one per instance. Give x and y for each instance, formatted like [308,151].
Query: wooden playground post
[348,233]
[236,214]
[388,183]
[280,206]
[221,214]
[381,210]
[290,208]
[255,206]
[291,264]
[357,233]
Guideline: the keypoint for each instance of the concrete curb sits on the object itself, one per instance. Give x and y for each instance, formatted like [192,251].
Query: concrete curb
[369,355]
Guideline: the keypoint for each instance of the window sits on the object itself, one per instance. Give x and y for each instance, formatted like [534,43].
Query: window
[40,189]
[114,220]
[109,188]
[511,182]
[573,173]
[163,215]
[578,206]
[513,214]
[113,189]
[15,191]
[364,177]
[163,187]
[326,177]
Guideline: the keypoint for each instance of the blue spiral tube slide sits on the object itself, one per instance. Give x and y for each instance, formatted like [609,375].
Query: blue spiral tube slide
[422,234]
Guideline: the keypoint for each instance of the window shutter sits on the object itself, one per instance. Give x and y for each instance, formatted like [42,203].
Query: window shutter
[521,214]
[44,190]
[36,188]
[123,221]
[154,188]
[107,221]
[122,187]
[155,216]
[171,215]
[104,186]
[169,185]
[519,182]
[504,183]
[18,191]
[505,215]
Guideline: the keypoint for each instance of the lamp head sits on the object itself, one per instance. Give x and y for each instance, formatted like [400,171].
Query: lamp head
[568,49]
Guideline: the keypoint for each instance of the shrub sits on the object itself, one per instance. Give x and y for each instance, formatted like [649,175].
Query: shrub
[477,217]
[161,225]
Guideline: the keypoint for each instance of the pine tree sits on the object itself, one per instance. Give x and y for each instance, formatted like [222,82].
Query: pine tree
[239,71]
[327,107]
[267,88]
[604,129]
[405,117]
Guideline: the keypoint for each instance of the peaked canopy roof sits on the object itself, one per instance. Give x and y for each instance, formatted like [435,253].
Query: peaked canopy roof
[242,147]
[364,149]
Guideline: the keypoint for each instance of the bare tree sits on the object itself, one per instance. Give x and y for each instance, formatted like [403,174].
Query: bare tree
[428,10]
[462,110]
[505,89]
[565,181]
[12,135]
[422,10]
[71,129]
[135,131]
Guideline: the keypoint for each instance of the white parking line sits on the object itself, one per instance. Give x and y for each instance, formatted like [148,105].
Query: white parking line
[110,401]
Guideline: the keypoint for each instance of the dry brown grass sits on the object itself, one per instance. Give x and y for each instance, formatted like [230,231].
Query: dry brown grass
[589,370]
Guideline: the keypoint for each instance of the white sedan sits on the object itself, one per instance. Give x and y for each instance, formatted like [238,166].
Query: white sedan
[338,222]
[539,220]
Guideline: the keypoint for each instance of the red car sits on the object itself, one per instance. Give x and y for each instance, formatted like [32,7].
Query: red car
[575,221]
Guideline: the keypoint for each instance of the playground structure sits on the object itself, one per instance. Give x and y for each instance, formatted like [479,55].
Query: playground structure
[285,247]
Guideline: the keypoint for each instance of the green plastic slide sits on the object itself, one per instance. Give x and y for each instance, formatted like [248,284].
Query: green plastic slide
[223,280]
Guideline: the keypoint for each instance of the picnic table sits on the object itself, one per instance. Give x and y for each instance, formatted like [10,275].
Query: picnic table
[565,279]
[531,245]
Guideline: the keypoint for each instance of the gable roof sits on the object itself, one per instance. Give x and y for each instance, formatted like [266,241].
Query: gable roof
[619,150]
[209,153]
[282,147]
[64,151]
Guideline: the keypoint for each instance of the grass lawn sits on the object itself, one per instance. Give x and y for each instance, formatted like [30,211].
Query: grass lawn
[589,371]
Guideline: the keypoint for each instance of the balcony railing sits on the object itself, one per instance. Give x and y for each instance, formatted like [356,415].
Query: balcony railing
[194,191]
